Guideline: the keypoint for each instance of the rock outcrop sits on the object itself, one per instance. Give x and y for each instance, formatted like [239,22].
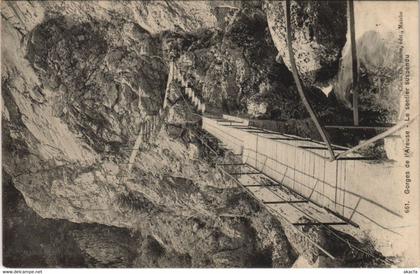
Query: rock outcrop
[79,79]
[73,90]
[380,53]
[318,32]
[230,68]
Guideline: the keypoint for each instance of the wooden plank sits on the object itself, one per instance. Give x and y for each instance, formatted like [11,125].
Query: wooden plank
[258,185]
[318,148]
[283,139]
[315,223]
[361,158]
[283,217]
[231,164]
[245,173]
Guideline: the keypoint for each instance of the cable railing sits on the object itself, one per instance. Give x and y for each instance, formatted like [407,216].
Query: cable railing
[339,200]
[263,131]
[232,138]
[293,225]
[281,216]
[222,170]
[313,189]
[327,145]
[273,161]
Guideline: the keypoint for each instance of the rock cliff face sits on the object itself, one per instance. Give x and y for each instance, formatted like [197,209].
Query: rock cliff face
[235,70]
[74,86]
[380,47]
[78,80]
[321,44]
[318,35]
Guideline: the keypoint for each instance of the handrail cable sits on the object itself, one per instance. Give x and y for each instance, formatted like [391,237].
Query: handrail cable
[306,214]
[284,218]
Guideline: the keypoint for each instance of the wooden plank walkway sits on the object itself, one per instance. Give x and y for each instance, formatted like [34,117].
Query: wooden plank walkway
[340,189]
[148,130]
[279,198]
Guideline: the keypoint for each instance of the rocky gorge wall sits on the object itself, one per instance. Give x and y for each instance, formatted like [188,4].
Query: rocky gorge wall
[72,86]
[78,78]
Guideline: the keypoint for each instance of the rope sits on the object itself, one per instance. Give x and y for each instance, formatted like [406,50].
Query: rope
[307,215]
[264,205]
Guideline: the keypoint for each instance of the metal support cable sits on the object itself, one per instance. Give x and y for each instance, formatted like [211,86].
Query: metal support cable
[299,84]
[333,233]
[221,169]
[327,143]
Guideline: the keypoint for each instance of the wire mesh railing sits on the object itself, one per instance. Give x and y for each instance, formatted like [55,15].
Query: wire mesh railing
[222,168]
